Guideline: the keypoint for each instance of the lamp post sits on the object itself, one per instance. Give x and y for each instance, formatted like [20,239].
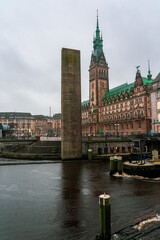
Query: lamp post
[105,149]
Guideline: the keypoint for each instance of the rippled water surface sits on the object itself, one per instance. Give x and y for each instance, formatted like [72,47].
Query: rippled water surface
[60,201]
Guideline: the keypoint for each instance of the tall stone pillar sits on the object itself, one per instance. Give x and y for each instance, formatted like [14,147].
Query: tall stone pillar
[71,129]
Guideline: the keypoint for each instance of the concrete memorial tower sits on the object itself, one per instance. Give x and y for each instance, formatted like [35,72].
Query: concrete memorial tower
[71,143]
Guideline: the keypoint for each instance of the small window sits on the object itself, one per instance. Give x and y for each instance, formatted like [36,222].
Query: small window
[158,94]
[158,105]
[139,125]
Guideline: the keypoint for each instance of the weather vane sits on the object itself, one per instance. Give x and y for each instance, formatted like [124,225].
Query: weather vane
[97,13]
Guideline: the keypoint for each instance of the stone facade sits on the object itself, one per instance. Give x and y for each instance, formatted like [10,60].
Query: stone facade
[113,147]
[71,140]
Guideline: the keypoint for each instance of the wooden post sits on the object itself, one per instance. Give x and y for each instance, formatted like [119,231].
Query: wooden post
[112,165]
[89,154]
[120,165]
[105,216]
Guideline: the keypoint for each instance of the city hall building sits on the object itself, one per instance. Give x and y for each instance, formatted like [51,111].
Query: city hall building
[123,110]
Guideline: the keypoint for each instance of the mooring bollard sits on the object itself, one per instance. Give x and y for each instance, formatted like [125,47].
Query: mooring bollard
[112,165]
[120,165]
[105,216]
[89,154]
[116,164]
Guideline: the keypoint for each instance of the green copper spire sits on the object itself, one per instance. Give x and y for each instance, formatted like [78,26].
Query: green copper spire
[97,42]
[97,29]
[149,76]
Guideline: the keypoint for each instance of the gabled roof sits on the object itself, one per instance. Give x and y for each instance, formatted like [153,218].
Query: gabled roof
[118,90]
[15,114]
[125,88]
[57,116]
[157,78]
[84,103]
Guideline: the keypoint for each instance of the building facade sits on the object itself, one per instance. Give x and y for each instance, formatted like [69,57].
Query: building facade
[42,125]
[20,122]
[57,125]
[155,105]
[123,110]
[27,125]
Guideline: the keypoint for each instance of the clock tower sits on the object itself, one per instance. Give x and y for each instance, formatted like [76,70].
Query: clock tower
[98,71]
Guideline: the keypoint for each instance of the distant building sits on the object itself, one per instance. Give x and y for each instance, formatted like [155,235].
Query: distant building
[42,125]
[123,110]
[57,124]
[155,105]
[25,125]
[20,122]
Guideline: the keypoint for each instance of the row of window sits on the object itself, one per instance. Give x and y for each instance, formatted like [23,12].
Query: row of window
[126,104]
[138,113]
[119,127]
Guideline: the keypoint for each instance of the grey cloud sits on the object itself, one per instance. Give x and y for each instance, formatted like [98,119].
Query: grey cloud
[33,33]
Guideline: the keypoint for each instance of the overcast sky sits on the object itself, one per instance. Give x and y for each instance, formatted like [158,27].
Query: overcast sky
[33,32]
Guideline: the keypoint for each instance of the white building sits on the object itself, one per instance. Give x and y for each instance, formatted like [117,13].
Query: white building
[155,105]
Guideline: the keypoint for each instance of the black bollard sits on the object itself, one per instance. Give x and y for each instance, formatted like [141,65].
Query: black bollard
[105,216]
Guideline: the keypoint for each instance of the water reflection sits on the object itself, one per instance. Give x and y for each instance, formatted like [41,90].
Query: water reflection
[71,181]
[60,201]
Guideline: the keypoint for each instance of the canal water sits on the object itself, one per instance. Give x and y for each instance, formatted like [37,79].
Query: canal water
[60,201]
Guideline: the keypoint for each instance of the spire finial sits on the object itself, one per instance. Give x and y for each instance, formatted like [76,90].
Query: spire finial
[138,69]
[97,29]
[97,21]
[148,66]
[149,76]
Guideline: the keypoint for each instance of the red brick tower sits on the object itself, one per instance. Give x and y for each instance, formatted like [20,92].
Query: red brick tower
[98,71]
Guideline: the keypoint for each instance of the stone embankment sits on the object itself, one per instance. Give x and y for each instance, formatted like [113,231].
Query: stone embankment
[31,150]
